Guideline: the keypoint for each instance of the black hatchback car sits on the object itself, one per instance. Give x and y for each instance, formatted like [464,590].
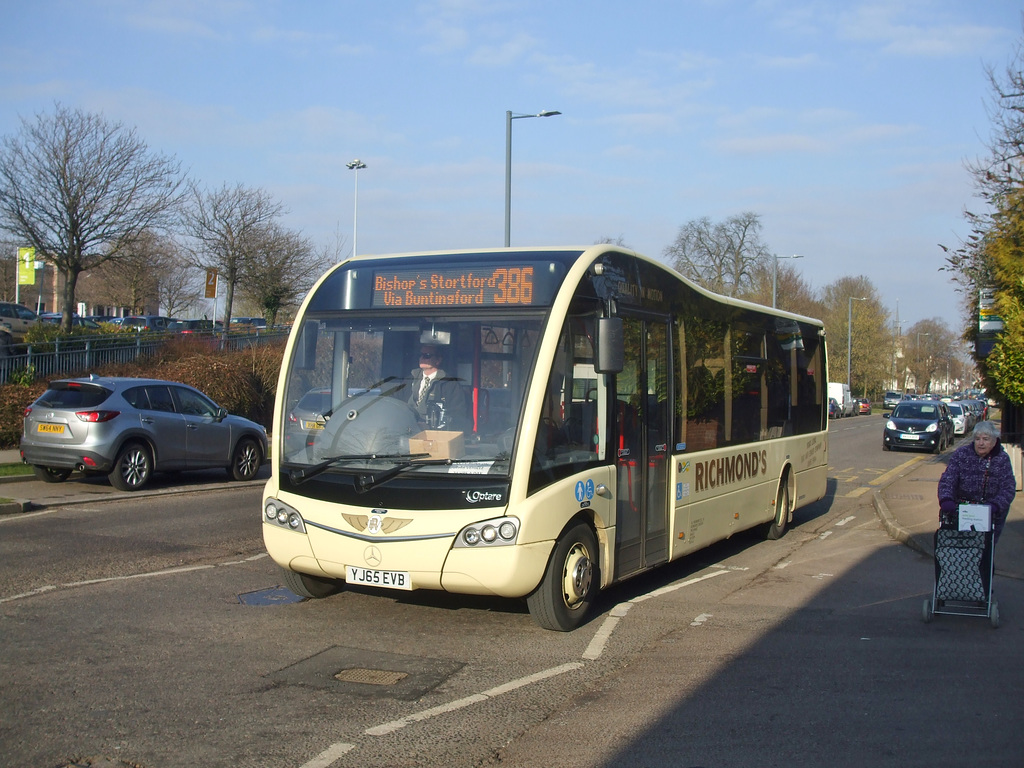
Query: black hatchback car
[921,424]
[128,428]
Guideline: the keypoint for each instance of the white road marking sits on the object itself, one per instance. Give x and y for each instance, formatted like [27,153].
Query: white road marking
[130,576]
[329,755]
[452,706]
[845,520]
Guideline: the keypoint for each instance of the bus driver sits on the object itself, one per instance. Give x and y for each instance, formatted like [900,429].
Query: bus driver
[437,398]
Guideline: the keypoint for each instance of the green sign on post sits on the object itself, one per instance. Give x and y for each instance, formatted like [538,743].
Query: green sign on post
[26,266]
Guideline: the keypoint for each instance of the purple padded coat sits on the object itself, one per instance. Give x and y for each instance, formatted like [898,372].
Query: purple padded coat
[970,478]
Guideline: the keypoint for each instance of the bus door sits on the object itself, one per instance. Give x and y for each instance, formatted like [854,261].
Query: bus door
[640,433]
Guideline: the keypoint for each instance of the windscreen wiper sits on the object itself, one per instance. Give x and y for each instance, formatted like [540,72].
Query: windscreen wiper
[367,480]
[299,476]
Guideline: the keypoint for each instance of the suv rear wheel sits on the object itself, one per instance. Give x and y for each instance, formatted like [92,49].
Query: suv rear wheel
[132,468]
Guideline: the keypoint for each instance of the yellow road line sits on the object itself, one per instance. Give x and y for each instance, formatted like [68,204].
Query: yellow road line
[892,473]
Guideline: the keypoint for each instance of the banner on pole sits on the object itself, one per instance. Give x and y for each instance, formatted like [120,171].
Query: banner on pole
[211,283]
[26,266]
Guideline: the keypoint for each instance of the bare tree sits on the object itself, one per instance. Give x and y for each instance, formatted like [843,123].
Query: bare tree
[228,226]
[150,274]
[928,345]
[279,271]
[722,256]
[79,189]
[793,293]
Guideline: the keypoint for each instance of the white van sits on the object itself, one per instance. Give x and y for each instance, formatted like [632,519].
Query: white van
[841,392]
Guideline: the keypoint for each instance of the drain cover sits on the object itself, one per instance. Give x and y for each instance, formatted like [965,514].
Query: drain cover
[368,673]
[278,596]
[371,676]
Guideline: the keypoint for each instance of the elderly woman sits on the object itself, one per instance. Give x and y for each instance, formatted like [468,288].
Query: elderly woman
[979,472]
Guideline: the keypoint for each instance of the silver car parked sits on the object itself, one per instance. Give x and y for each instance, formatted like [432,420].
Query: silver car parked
[129,428]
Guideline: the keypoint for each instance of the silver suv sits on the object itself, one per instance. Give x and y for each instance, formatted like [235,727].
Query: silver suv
[129,428]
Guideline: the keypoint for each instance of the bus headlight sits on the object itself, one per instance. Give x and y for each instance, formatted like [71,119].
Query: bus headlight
[501,531]
[278,513]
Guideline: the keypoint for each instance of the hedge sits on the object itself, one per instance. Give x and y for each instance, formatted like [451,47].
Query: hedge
[243,381]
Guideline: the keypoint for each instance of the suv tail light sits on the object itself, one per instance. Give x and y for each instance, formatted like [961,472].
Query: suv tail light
[94,417]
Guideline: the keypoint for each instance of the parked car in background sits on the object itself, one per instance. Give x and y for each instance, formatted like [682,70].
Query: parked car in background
[195,326]
[890,399]
[959,415]
[841,392]
[147,322]
[970,415]
[15,321]
[864,406]
[980,407]
[55,318]
[128,428]
[920,424]
[834,410]
[249,323]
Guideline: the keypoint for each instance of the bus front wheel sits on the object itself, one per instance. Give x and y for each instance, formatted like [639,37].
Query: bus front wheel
[570,582]
[313,587]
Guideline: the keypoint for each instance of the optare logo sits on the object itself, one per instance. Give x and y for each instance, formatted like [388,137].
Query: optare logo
[474,497]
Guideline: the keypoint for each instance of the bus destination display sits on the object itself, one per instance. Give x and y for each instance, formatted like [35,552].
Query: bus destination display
[453,287]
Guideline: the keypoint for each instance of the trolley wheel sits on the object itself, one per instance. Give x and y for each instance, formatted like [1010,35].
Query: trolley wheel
[570,582]
[926,611]
[313,587]
[993,615]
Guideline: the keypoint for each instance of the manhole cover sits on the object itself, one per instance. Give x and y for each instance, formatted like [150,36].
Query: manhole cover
[277,596]
[368,673]
[370,676]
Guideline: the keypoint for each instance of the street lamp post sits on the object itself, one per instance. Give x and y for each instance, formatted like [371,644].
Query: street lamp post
[775,273]
[849,338]
[355,165]
[509,117]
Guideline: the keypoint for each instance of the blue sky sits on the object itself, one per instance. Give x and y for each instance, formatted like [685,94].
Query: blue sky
[845,125]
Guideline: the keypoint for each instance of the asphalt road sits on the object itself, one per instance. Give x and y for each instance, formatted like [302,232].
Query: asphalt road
[151,631]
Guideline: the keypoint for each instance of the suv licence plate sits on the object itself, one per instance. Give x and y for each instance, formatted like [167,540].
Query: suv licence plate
[374,578]
[56,429]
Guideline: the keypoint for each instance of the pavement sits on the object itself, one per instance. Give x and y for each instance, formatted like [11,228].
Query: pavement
[25,493]
[907,503]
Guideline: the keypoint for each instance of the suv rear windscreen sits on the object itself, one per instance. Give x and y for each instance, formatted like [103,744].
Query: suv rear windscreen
[70,396]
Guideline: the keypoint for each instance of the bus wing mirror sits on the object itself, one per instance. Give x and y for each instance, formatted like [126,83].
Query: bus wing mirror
[609,353]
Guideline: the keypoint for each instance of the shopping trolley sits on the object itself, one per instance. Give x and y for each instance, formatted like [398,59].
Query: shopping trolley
[964,548]
[964,563]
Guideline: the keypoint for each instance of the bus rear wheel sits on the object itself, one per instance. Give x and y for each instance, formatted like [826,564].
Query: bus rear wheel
[570,582]
[777,527]
[313,587]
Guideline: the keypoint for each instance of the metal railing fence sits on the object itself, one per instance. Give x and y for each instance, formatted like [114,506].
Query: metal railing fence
[75,354]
